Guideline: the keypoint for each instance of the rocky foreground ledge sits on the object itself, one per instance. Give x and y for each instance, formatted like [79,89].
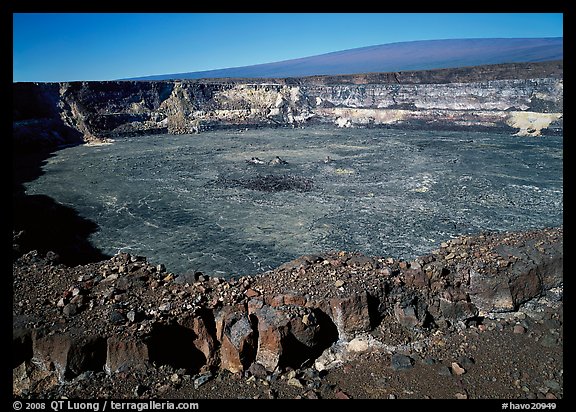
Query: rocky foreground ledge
[125,318]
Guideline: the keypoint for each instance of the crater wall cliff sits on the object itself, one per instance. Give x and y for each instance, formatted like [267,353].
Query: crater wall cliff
[526,99]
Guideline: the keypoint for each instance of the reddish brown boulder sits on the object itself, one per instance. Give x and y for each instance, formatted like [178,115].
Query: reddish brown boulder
[203,338]
[490,292]
[51,350]
[416,278]
[28,377]
[251,293]
[517,273]
[287,335]
[286,299]
[273,327]
[407,316]
[237,339]
[459,310]
[68,355]
[350,314]
[125,353]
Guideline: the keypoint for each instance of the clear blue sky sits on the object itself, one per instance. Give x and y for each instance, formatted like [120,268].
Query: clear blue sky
[90,46]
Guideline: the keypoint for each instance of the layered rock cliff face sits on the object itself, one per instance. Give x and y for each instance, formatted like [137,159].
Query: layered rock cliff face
[525,99]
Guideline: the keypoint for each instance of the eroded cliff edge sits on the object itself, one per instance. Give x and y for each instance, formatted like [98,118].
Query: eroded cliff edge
[526,99]
[126,316]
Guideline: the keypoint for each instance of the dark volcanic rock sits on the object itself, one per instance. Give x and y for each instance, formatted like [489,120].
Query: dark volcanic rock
[124,354]
[355,306]
[406,316]
[401,362]
[237,339]
[285,338]
[517,273]
[350,314]
[66,354]
[117,318]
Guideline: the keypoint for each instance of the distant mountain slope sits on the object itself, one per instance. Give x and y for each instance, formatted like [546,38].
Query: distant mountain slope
[393,57]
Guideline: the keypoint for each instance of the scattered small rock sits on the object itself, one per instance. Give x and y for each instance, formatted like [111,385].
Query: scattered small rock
[519,329]
[107,304]
[465,361]
[277,161]
[70,309]
[444,371]
[553,385]
[131,316]
[258,370]
[165,307]
[548,340]
[295,382]
[78,300]
[341,395]
[307,319]
[271,393]
[401,362]
[251,293]
[117,318]
[202,379]
[457,369]
[311,395]
[550,395]
[430,361]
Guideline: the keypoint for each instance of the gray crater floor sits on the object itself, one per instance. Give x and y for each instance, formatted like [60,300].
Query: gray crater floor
[192,202]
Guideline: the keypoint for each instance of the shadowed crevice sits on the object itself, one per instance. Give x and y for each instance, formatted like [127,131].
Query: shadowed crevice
[21,346]
[173,345]
[91,356]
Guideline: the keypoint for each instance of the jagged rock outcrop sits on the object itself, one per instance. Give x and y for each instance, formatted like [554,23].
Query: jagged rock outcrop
[526,99]
[237,337]
[131,315]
